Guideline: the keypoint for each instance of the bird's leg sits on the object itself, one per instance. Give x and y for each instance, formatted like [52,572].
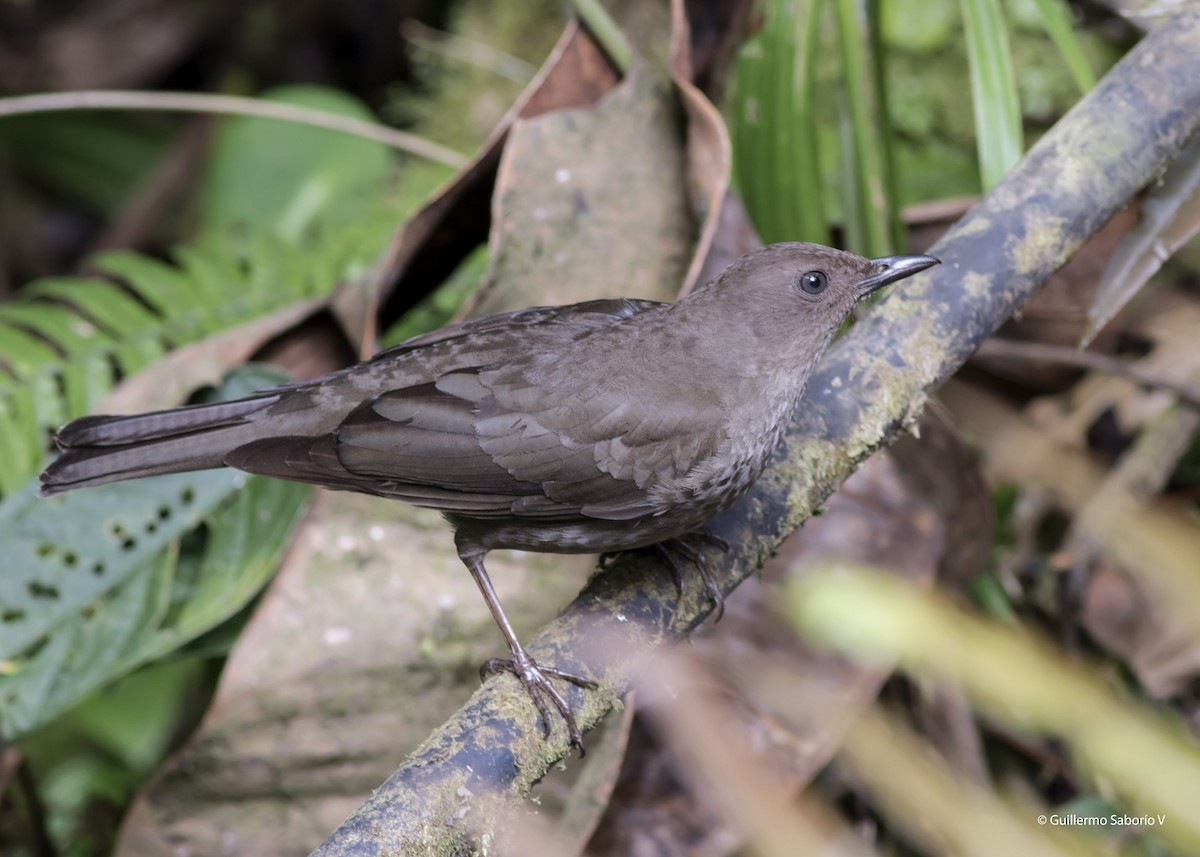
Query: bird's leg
[685,545]
[534,677]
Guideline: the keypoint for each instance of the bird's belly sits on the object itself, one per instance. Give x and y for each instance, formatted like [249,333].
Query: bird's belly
[583,535]
[690,503]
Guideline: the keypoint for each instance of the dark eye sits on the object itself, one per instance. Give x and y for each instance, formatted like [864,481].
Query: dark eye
[813,283]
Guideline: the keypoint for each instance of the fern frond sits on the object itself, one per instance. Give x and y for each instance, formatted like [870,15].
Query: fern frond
[65,342]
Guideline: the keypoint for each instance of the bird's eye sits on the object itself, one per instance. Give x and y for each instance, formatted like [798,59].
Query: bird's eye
[813,283]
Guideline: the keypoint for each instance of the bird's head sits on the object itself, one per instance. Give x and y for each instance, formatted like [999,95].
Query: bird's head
[795,296]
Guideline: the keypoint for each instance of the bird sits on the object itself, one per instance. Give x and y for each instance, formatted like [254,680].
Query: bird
[597,427]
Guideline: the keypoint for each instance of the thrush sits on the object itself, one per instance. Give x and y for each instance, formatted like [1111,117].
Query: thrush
[602,426]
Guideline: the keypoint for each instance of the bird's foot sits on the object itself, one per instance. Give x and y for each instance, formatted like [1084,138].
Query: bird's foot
[686,546]
[536,680]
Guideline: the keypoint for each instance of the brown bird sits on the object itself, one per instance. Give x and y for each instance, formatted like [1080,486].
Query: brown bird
[602,426]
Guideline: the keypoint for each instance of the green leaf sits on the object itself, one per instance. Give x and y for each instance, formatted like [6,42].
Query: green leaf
[101,581]
[998,132]
[247,540]
[1056,19]
[776,160]
[66,341]
[989,594]
[65,552]
[95,157]
[157,283]
[117,314]
[919,26]
[866,174]
[279,177]
[21,352]
[80,655]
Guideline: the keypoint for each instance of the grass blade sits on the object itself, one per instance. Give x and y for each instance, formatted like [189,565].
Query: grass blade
[998,132]
[865,173]
[1057,23]
[775,128]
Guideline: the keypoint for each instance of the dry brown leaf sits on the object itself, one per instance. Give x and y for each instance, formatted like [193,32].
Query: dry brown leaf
[1125,611]
[1122,612]
[430,245]
[370,636]
[1170,217]
[1119,617]
[740,801]
[715,29]
[590,203]
[709,153]
[939,468]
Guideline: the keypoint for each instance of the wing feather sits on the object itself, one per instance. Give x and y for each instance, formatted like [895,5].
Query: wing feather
[613,446]
[474,432]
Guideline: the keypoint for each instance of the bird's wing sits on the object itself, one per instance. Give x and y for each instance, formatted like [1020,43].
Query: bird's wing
[572,319]
[482,341]
[419,443]
[607,444]
[462,446]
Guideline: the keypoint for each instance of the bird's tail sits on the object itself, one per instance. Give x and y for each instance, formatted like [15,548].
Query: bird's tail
[102,449]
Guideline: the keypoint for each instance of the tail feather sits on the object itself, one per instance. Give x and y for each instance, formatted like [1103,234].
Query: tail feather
[120,431]
[100,449]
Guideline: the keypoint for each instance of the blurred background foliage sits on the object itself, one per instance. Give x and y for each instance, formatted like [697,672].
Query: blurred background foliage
[175,248]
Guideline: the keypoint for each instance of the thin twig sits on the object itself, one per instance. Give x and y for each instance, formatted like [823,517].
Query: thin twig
[1045,353]
[198,102]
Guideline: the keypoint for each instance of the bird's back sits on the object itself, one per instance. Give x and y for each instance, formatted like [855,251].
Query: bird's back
[100,449]
[568,420]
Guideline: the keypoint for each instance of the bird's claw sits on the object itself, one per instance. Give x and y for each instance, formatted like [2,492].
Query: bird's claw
[686,545]
[536,680]
[668,552]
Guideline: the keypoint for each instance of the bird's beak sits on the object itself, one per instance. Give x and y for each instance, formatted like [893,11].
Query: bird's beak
[889,269]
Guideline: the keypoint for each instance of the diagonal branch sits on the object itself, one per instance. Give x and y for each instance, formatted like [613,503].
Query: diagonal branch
[871,385]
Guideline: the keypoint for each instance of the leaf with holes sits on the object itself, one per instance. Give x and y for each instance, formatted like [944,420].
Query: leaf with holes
[163,602]
[78,655]
[64,554]
[245,541]
[99,581]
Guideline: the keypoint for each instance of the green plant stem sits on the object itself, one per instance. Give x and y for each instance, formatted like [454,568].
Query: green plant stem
[865,169]
[197,102]
[775,126]
[998,132]
[605,31]
[1056,20]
